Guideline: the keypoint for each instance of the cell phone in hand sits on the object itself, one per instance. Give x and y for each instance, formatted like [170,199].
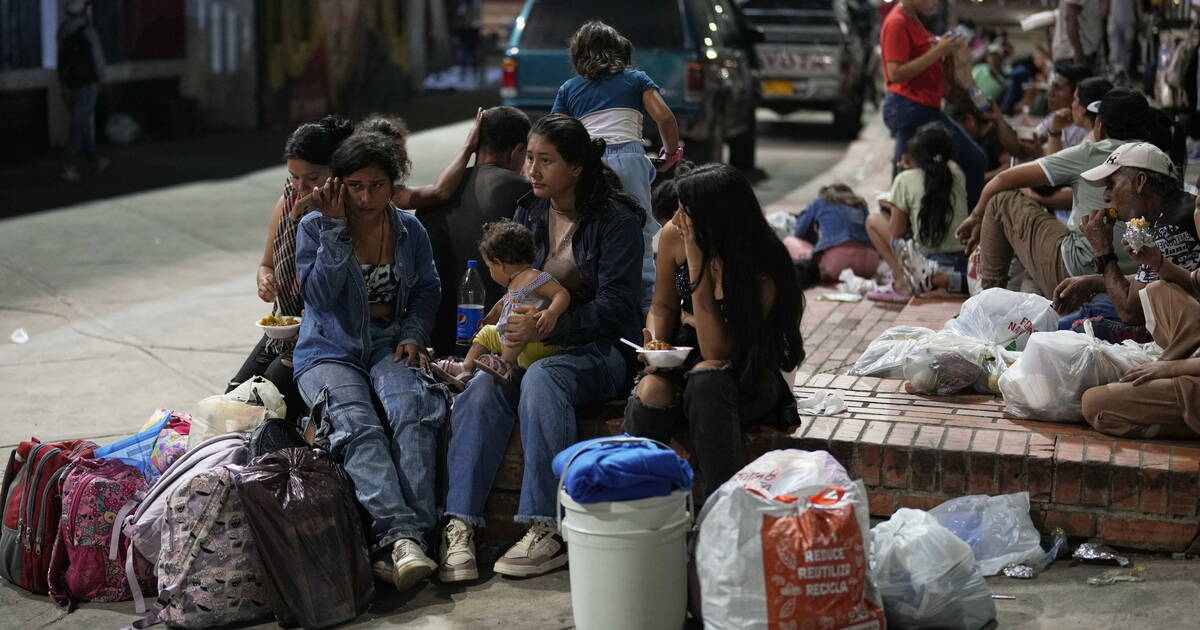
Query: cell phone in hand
[658,161]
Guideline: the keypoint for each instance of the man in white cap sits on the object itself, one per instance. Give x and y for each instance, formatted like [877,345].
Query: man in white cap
[80,69]
[1160,399]
[1139,185]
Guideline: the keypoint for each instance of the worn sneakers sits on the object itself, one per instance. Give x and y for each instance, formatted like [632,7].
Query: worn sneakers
[918,269]
[541,550]
[458,553]
[410,564]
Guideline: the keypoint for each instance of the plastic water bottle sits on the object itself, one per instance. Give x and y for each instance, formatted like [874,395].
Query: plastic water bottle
[470,308]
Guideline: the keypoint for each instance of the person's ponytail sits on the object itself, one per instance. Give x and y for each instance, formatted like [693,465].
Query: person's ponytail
[931,148]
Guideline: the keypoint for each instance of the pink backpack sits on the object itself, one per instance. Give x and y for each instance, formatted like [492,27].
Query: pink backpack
[88,560]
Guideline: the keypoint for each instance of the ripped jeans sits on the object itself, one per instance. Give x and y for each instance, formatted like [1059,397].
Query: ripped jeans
[393,464]
[707,399]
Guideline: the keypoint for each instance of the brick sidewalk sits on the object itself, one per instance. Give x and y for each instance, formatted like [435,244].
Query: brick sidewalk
[917,451]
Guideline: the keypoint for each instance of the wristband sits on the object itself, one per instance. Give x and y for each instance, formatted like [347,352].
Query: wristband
[1056,134]
[672,157]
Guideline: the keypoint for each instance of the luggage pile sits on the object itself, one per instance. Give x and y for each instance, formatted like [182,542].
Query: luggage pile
[247,523]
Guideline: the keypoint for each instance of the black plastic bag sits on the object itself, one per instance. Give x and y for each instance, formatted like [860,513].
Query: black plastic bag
[273,435]
[310,541]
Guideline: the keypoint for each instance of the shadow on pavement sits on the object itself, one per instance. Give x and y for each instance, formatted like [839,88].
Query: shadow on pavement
[32,183]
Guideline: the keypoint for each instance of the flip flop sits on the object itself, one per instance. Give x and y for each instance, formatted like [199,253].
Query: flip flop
[888,294]
[496,366]
[443,376]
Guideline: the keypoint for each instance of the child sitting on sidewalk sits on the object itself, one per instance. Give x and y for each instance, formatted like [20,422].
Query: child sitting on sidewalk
[836,222]
[915,233]
[507,249]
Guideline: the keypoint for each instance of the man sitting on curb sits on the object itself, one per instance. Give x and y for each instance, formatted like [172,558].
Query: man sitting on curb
[1160,399]
[1006,223]
[1139,181]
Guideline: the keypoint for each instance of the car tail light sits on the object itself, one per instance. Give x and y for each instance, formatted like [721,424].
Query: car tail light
[508,78]
[695,81]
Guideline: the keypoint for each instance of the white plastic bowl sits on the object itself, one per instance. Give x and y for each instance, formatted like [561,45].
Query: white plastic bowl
[667,358]
[280,332]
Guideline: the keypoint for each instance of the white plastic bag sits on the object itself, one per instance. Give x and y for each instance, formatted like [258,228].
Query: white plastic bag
[884,357]
[945,363]
[782,223]
[997,529]
[1048,381]
[1004,318]
[733,566]
[239,411]
[927,577]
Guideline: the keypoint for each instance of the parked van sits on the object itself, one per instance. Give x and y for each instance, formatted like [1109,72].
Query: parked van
[698,51]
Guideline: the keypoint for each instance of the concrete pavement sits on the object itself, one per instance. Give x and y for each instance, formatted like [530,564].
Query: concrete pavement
[147,300]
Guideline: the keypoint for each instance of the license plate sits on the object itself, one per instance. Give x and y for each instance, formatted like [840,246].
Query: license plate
[777,87]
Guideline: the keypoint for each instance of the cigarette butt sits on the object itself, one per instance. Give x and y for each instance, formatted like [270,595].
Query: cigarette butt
[1004,596]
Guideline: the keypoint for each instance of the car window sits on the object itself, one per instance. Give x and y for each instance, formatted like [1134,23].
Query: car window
[647,23]
[795,12]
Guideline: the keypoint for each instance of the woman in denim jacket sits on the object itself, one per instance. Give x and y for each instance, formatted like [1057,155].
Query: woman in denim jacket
[587,234]
[370,290]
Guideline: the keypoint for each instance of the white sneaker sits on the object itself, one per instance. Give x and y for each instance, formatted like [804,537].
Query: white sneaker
[540,551]
[411,564]
[458,553]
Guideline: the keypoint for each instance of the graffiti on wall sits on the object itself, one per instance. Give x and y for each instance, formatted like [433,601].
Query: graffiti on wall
[333,56]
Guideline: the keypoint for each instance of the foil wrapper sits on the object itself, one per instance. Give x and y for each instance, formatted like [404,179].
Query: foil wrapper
[1095,552]
[1136,238]
[1019,571]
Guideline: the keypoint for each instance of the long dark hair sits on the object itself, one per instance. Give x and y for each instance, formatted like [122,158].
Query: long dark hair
[598,51]
[931,150]
[315,142]
[729,225]
[598,184]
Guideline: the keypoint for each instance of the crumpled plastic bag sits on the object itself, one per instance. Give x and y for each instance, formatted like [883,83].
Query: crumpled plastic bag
[1048,380]
[946,363]
[824,403]
[884,357]
[239,411]
[1003,318]
[782,223]
[848,282]
[997,528]
[312,551]
[927,576]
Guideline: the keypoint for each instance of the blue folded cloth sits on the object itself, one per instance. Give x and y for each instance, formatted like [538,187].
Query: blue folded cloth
[621,471]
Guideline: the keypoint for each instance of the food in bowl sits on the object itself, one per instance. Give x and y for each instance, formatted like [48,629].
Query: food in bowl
[278,320]
[666,358]
[658,344]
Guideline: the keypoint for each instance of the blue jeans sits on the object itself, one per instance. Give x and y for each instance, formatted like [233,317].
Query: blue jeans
[628,160]
[903,116]
[543,399]
[955,268]
[393,464]
[81,135]
[1100,306]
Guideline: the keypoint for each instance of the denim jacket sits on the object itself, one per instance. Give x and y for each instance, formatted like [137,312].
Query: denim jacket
[836,223]
[336,322]
[607,247]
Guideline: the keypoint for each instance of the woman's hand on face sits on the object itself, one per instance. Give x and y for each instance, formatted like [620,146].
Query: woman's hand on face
[268,289]
[411,352]
[684,224]
[522,328]
[330,199]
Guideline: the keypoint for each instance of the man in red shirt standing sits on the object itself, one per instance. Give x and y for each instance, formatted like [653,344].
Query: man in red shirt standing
[912,70]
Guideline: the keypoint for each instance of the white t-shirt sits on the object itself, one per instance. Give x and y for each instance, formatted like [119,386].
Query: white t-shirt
[1091,29]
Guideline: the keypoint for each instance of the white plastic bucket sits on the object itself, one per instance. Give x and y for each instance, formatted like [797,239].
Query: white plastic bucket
[628,559]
